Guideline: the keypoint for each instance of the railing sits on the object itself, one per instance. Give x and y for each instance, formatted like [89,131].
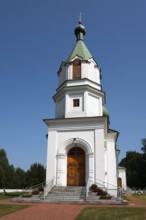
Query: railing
[110,187]
[37,186]
[49,185]
[102,184]
[88,186]
[91,181]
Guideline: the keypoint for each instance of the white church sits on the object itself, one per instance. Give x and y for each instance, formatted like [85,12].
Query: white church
[82,149]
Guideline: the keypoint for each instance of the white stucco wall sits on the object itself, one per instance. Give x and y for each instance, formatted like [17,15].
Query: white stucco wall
[90,103]
[60,107]
[111,164]
[87,90]
[89,134]
[94,105]
[57,155]
[89,70]
[51,155]
[99,156]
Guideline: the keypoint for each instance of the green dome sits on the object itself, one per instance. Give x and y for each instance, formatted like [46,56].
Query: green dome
[105,111]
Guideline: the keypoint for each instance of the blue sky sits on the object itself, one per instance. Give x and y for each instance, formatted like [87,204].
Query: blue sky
[36,35]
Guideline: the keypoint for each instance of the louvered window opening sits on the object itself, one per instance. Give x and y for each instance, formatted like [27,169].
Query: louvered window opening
[77,69]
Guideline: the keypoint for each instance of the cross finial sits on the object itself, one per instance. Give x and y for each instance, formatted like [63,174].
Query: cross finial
[80,17]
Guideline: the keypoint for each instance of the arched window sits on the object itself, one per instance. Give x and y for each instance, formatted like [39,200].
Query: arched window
[76,69]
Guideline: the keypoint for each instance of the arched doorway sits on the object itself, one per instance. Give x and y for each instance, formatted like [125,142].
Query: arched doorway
[76,167]
[119,182]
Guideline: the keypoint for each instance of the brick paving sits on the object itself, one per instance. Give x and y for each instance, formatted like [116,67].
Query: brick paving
[135,202]
[46,212]
[59,211]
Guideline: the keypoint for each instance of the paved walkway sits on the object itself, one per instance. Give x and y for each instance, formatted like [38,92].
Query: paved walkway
[58,211]
[46,212]
[135,202]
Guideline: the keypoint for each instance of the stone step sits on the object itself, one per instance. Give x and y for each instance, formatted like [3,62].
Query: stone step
[64,199]
[69,189]
[64,195]
[59,193]
[66,191]
[92,197]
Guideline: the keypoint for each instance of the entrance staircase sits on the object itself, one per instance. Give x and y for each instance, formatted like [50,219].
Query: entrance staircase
[72,194]
[66,194]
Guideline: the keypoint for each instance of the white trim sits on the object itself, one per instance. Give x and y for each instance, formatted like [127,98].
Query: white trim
[67,145]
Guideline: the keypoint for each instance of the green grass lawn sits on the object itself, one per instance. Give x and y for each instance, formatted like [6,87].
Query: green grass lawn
[7,209]
[103,213]
[10,195]
[142,197]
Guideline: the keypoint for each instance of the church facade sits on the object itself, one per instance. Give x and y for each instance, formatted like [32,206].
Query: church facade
[81,146]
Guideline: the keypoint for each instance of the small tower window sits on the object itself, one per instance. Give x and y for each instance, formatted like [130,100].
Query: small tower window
[76,102]
[77,69]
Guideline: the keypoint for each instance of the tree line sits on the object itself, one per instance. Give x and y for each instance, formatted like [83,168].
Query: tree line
[135,164]
[17,178]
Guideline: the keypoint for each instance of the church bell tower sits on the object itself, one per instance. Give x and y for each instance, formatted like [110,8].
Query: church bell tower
[81,147]
[79,93]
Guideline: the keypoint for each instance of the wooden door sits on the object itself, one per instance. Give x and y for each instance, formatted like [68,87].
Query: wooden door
[119,182]
[76,167]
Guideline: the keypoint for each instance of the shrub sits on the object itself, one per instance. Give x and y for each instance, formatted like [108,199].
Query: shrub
[28,195]
[98,190]
[101,191]
[93,188]
[35,192]
[40,189]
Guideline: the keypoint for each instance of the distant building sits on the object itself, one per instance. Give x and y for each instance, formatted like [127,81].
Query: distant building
[81,146]
[122,182]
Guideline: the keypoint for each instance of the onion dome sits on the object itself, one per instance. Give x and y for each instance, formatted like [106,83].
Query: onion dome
[79,31]
[80,48]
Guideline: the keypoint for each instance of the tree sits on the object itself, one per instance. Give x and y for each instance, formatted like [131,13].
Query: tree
[143,141]
[135,164]
[20,178]
[36,174]
[7,172]
[11,177]
[4,169]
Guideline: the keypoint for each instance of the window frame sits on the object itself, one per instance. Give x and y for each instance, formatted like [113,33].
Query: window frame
[76,102]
